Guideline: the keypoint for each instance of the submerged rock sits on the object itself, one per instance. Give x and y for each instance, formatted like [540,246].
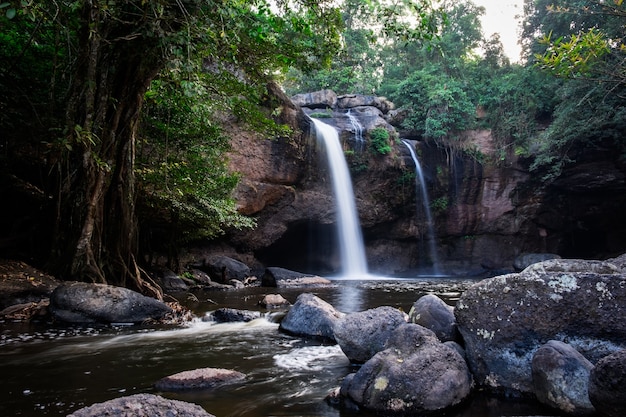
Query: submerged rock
[142,405]
[274,301]
[505,319]
[232,315]
[312,317]
[416,373]
[80,302]
[361,335]
[199,379]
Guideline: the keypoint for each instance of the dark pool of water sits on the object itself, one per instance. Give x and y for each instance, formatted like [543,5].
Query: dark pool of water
[51,370]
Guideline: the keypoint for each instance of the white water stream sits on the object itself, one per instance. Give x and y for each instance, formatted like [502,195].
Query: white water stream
[353,261]
[420,188]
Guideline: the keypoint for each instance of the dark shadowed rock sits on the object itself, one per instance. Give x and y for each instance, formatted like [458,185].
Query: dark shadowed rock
[561,378]
[607,383]
[311,316]
[199,379]
[142,405]
[231,315]
[524,260]
[433,313]
[504,320]
[169,281]
[80,302]
[416,373]
[282,278]
[361,335]
[222,269]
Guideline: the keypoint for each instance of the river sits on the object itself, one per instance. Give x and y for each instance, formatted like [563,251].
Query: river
[51,370]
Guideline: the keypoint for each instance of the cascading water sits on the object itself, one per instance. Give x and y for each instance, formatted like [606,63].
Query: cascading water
[358,130]
[351,247]
[420,187]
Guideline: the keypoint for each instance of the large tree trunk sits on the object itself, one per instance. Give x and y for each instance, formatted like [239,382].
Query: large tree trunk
[97,227]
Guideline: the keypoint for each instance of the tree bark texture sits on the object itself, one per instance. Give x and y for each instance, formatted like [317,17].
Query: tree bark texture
[119,55]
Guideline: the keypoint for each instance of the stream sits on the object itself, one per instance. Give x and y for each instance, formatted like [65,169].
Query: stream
[51,370]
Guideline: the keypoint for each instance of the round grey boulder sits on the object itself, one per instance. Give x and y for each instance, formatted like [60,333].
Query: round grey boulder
[312,317]
[80,302]
[415,374]
[433,313]
[142,405]
[361,335]
[561,378]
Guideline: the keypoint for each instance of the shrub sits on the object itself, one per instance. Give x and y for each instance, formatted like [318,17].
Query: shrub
[379,140]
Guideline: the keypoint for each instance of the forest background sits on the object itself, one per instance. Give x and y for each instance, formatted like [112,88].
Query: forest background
[112,112]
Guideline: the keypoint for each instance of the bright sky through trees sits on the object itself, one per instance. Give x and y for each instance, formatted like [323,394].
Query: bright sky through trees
[500,17]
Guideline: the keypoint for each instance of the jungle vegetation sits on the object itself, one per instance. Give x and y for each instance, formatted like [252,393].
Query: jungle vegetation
[111,110]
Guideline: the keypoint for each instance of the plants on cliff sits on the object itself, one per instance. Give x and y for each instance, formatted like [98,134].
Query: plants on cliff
[379,140]
[440,205]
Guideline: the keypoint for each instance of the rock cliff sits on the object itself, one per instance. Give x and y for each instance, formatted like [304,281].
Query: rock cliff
[487,208]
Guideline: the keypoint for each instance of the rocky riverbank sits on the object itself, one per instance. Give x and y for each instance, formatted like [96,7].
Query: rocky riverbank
[556,332]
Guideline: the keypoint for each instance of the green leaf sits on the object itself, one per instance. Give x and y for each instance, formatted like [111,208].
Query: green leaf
[11,13]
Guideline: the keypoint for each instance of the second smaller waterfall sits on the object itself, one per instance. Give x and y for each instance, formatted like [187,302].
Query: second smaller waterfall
[420,188]
[358,131]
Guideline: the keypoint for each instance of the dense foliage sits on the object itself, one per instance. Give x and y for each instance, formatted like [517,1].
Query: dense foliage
[75,76]
[567,93]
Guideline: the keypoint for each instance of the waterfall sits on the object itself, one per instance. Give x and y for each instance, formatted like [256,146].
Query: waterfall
[358,131]
[351,246]
[420,186]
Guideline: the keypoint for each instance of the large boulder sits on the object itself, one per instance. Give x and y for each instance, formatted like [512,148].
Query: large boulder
[80,302]
[348,101]
[433,313]
[142,405]
[415,374]
[282,278]
[312,317]
[561,378]
[504,320]
[606,385]
[316,100]
[361,335]
[199,379]
[223,268]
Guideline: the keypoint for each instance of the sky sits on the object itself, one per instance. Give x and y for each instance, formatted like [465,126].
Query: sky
[500,17]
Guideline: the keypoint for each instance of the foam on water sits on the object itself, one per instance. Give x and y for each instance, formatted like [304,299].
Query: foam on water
[312,358]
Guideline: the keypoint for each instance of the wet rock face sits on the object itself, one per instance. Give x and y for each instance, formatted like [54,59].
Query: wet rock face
[504,320]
